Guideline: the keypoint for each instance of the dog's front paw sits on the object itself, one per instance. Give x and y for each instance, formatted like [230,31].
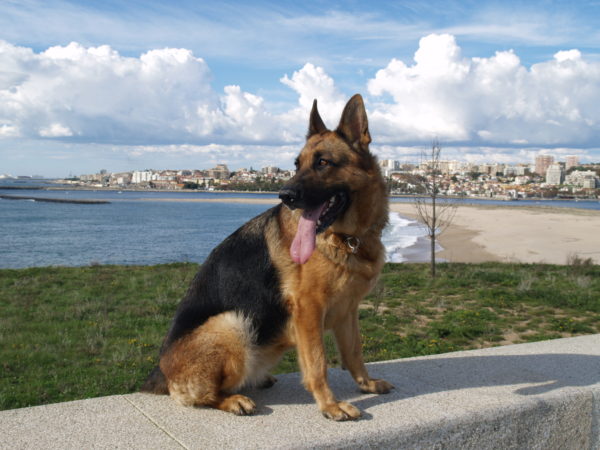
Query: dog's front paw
[240,405]
[375,386]
[341,411]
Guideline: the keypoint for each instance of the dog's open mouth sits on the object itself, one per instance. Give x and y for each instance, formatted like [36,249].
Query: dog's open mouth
[315,221]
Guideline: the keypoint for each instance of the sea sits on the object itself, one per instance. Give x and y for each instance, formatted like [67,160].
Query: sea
[141,228]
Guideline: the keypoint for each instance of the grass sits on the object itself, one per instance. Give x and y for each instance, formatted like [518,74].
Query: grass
[70,333]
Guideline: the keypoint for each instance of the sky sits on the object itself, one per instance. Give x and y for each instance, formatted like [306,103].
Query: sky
[133,85]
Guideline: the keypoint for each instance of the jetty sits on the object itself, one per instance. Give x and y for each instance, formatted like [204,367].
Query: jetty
[54,200]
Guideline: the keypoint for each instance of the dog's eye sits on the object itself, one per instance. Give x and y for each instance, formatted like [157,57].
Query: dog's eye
[323,162]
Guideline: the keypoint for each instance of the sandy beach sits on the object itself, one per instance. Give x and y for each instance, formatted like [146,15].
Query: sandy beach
[517,234]
[503,233]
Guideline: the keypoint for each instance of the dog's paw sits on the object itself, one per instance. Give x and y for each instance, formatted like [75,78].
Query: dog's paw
[341,411]
[267,382]
[239,405]
[375,386]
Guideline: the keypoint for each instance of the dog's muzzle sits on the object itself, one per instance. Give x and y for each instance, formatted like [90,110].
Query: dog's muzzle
[291,197]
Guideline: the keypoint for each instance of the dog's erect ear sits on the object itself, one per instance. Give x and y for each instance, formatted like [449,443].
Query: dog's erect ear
[315,125]
[354,125]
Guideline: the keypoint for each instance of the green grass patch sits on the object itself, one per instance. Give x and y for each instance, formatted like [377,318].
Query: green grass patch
[70,333]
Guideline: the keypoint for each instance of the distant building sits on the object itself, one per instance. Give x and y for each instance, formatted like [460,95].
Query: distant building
[120,179]
[554,175]
[582,178]
[491,169]
[138,177]
[221,172]
[542,162]
[515,171]
[571,161]
[522,179]
[388,166]
[270,170]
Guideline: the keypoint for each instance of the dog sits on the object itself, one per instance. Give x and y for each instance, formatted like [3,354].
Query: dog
[285,278]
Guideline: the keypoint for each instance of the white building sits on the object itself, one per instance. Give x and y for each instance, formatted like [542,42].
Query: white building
[554,175]
[388,166]
[522,179]
[138,177]
[582,178]
[590,183]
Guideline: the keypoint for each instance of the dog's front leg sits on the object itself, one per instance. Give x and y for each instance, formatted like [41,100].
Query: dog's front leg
[347,336]
[308,326]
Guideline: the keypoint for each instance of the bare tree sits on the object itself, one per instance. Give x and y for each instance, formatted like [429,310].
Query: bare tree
[435,213]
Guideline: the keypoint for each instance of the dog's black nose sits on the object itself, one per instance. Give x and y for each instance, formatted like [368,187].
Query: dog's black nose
[289,196]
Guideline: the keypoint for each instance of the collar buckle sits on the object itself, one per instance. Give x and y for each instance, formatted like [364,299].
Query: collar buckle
[353,243]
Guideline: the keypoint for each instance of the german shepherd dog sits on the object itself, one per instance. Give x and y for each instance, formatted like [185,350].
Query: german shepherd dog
[283,279]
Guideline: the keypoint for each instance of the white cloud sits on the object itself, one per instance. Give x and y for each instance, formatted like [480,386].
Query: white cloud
[8,131]
[55,130]
[164,100]
[312,82]
[493,100]
[202,156]
[98,95]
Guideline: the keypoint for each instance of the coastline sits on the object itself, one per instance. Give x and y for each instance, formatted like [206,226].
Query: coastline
[499,233]
[517,234]
[257,201]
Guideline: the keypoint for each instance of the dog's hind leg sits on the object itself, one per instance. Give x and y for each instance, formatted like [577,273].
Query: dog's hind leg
[204,367]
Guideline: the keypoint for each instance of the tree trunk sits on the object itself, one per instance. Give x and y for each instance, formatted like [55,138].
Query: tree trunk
[433,225]
[433,255]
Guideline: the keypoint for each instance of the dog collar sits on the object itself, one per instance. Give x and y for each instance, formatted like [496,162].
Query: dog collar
[347,242]
[353,243]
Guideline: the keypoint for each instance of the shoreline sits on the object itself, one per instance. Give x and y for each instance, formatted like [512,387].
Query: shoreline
[482,233]
[257,201]
[456,242]
[517,234]
[50,186]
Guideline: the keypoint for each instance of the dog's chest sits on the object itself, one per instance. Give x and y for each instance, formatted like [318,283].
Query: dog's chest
[345,295]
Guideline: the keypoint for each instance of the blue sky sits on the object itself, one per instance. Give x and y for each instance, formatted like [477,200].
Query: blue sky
[140,84]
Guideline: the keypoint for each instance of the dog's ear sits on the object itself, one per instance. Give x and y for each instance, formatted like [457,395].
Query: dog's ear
[354,125]
[315,124]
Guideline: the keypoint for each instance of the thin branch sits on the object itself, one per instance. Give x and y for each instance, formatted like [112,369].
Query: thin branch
[435,215]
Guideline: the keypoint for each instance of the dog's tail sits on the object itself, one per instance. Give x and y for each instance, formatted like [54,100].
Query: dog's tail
[156,383]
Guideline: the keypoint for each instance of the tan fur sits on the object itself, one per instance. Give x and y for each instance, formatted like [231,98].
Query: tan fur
[324,293]
[208,365]
[217,359]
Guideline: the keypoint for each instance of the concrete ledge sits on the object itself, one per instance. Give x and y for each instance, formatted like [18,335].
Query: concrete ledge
[543,395]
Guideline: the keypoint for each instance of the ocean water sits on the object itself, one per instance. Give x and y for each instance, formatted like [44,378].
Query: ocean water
[406,240]
[140,228]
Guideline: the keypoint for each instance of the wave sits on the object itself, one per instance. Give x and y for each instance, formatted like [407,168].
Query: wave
[406,240]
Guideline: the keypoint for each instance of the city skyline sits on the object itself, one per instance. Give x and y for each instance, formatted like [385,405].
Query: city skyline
[565,160]
[129,85]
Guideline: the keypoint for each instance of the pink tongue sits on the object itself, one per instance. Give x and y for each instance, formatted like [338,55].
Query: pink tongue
[306,235]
